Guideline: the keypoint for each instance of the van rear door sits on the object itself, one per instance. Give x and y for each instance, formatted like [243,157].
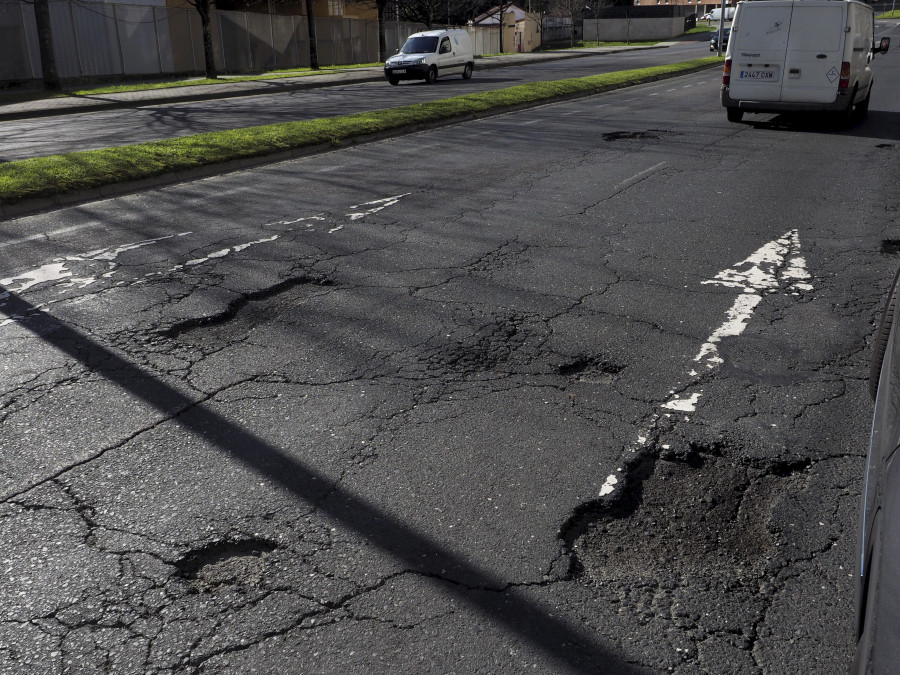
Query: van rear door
[758,47]
[814,52]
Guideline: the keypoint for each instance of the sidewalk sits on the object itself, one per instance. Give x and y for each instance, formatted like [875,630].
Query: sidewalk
[133,99]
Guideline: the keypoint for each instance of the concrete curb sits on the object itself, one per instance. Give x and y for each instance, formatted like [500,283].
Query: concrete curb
[76,105]
[30,206]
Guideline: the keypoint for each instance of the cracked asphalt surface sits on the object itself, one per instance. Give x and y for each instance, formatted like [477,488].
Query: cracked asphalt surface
[356,412]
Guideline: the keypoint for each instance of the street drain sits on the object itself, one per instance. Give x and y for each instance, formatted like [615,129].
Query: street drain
[890,246]
[226,563]
[632,135]
[591,370]
[687,510]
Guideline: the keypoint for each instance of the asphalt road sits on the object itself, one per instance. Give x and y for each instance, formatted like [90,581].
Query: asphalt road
[40,136]
[576,389]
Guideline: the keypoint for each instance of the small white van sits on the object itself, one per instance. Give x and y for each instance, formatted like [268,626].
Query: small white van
[799,55]
[430,55]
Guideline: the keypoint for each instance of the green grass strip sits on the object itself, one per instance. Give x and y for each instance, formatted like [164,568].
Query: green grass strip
[894,14]
[58,174]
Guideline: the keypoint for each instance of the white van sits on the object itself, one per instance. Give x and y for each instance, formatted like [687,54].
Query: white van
[787,55]
[430,55]
[716,14]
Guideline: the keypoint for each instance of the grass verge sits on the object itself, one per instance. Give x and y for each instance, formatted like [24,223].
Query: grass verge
[893,14]
[60,174]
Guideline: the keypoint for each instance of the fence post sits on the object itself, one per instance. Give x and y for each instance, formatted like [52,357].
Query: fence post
[119,39]
[158,46]
[75,41]
[221,40]
[249,40]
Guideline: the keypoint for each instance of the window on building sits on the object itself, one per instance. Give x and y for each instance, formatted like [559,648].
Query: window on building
[336,7]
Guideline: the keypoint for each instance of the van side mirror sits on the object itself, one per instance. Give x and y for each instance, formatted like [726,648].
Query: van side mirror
[883,46]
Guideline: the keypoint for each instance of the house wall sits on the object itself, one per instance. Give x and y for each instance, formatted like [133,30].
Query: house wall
[627,29]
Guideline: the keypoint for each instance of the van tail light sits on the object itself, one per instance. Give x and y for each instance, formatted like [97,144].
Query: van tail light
[845,75]
[726,73]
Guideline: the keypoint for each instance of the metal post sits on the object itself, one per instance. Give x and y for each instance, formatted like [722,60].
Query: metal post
[721,29]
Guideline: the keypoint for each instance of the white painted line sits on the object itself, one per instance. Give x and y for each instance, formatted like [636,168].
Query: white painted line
[774,266]
[638,176]
[46,235]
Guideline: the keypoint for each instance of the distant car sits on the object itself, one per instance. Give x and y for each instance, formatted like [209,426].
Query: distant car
[878,543]
[714,42]
[706,17]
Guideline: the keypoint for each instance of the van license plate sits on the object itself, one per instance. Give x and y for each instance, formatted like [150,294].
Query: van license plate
[399,71]
[759,75]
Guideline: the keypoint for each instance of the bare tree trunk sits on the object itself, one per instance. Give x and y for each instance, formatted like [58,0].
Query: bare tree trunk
[311,31]
[208,56]
[382,43]
[45,43]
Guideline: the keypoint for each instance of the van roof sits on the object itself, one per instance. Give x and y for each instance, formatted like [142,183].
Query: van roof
[435,33]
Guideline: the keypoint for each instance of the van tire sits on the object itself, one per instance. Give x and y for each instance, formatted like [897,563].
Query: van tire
[394,80]
[735,114]
[862,108]
[879,347]
[467,72]
[431,75]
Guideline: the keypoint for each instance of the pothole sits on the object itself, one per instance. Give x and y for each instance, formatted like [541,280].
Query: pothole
[227,563]
[591,370]
[890,246]
[683,510]
[885,146]
[650,134]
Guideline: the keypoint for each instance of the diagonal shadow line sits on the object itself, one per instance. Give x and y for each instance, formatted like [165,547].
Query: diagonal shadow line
[570,645]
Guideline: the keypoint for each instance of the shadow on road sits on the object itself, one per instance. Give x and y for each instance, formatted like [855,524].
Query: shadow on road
[573,648]
[878,124]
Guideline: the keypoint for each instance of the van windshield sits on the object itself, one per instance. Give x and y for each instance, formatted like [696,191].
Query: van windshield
[419,45]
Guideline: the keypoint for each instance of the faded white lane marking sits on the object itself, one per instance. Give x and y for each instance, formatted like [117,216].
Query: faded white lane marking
[375,206]
[49,272]
[775,266]
[639,176]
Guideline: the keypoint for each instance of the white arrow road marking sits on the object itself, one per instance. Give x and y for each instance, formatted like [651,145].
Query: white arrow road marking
[776,266]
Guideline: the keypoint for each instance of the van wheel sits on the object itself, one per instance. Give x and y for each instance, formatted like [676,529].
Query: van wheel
[862,108]
[467,72]
[735,114]
[431,75]
[394,80]
[881,338]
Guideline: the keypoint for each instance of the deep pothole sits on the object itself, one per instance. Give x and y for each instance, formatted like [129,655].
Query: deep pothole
[890,246]
[649,134]
[686,510]
[227,564]
[590,370]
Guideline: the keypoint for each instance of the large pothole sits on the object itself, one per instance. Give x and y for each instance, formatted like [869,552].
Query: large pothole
[687,510]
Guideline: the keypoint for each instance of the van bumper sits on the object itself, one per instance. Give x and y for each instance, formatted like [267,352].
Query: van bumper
[416,72]
[840,103]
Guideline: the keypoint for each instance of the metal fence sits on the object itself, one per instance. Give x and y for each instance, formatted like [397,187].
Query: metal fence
[94,40]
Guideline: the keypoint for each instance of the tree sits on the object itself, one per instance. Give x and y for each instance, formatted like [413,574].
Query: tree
[203,9]
[45,45]
[311,30]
